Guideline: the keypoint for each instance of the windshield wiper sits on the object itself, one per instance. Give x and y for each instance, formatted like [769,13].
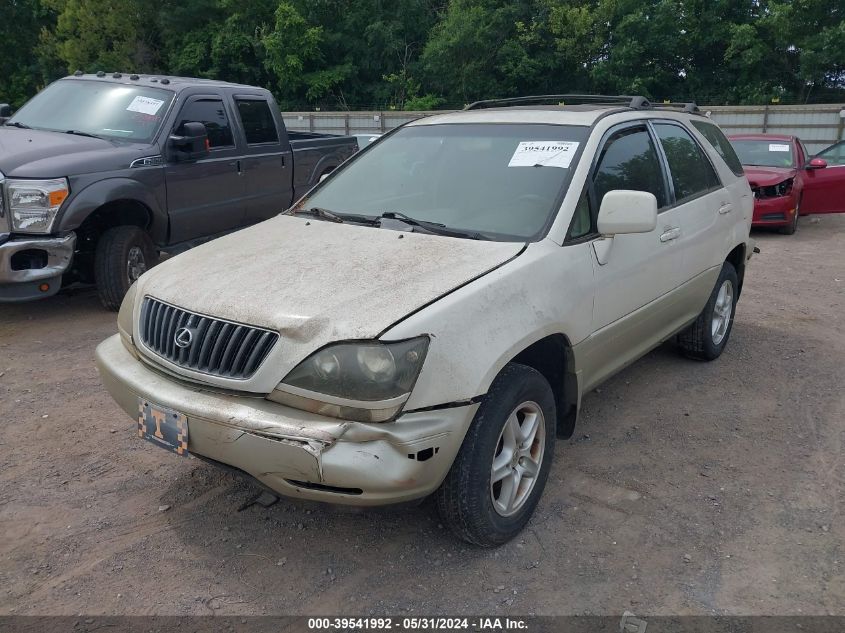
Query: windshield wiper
[334,216]
[432,227]
[17,124]
[78,133]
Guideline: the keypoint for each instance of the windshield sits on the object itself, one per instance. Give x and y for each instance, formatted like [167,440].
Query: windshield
[502,181]
[97,107]
[764,153]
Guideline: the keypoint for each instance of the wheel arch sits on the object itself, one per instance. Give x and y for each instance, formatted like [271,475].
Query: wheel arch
[737,258]
[552,356]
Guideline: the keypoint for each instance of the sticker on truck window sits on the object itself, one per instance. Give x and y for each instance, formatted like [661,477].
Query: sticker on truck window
[145,105]
[777,147]
[543,154]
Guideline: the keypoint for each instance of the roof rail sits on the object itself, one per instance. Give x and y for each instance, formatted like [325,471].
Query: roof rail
[690,107]
[635,102]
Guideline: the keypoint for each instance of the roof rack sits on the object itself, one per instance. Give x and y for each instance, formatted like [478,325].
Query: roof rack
[628,101]
[635,102]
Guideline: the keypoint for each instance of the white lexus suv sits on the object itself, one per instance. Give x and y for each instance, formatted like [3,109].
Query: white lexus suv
[426,320]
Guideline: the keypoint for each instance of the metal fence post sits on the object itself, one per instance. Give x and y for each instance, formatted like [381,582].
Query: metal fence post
[310,121]
[765,119]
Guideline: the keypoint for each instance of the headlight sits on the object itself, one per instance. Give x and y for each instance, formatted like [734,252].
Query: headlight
[124,318]
[33,204]
[367,381]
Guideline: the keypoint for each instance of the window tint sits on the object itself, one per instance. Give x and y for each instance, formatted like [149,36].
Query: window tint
[692,173]
[212,114]
[721,144]
[629,161]
[259,126]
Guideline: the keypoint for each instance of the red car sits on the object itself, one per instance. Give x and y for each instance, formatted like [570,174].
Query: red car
[787,181]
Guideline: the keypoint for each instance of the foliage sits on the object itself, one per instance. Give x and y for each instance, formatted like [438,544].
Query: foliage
[424,54]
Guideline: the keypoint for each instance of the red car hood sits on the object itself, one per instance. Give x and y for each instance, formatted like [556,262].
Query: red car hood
[767,176]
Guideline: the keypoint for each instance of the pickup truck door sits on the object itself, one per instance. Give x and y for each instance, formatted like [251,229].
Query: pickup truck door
[268,160]
[635,274]
[205,196]
[824,189]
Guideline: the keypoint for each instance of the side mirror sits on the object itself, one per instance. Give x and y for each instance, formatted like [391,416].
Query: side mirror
[817,163]
[5,110]
[192,144]
[624,211]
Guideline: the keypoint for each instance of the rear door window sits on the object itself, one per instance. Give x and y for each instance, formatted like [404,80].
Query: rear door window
[629,160]
[691,172]
[721,144]
[257,121]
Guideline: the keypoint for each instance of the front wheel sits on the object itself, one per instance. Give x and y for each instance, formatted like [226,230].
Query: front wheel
[790,228]
[123,254]
[497,478]
[707,337]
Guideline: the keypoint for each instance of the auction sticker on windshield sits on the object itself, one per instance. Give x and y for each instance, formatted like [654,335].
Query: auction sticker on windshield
[145,105]
[777,147]
[543,154]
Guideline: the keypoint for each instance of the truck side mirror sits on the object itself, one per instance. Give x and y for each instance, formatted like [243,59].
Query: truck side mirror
[627,212]
[192,144]
[5,110]
[817,163]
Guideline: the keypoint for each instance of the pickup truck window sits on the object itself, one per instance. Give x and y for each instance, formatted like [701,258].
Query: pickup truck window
[257,121]
[465,176]
[692,173]
[629,161]
[104,109]
[212,114]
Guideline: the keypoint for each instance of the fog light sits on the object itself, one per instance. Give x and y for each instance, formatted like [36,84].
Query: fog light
[44,287]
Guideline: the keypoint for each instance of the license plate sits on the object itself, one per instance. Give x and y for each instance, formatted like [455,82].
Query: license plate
[163,427]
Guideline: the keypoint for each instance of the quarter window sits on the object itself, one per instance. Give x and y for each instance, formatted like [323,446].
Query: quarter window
[721,144]
[629,161]
[692,174]
[212,114]
[257,120]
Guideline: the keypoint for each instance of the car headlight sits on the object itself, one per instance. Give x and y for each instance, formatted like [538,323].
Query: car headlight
[33,204]
[366,381]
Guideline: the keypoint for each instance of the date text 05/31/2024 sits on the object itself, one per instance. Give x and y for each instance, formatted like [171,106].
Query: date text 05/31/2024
[421,623]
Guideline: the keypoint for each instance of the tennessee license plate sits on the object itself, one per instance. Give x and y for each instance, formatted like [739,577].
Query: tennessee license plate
[163,427]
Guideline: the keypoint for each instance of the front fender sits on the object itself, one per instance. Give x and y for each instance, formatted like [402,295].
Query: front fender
[84,202]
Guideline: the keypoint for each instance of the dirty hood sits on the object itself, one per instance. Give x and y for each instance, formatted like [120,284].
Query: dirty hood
[767,176]
[315,281]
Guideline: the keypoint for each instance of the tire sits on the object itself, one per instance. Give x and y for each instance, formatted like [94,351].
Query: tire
[793,226]
[707,337]
[468,502]
[123,253]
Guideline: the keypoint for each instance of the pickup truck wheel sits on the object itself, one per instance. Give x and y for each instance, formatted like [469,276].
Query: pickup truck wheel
[501,469]
[123,254]
[707,337]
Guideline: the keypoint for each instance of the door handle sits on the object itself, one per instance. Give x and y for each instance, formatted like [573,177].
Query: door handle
[726,207]
[670,234]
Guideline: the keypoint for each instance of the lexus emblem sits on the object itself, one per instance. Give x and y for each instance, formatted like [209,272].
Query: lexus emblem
[183,337]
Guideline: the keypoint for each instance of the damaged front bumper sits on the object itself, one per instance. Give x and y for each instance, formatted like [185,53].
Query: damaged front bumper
[293,452]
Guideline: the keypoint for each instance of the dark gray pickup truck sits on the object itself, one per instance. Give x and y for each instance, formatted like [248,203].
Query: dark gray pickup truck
[99,173]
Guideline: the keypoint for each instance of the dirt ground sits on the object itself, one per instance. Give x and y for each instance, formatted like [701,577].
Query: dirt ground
[688,488]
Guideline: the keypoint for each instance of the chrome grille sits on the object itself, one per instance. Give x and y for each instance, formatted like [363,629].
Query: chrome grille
[219,348]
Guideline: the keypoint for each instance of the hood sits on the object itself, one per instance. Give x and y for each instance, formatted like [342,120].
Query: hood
[767,176]
[42,154]
[316,282]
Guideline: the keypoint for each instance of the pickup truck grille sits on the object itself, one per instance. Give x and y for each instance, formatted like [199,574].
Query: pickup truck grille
[203,344]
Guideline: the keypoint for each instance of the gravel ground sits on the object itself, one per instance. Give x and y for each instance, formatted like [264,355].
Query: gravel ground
[688,488]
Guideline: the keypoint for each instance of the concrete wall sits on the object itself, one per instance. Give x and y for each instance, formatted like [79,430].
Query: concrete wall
[817,125]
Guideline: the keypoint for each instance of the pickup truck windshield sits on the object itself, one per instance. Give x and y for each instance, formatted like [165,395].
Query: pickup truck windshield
[100,108]
[503,181]
[764,153]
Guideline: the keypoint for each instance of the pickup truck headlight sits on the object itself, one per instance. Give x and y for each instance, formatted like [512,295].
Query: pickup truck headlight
[366,382]
[33,204]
